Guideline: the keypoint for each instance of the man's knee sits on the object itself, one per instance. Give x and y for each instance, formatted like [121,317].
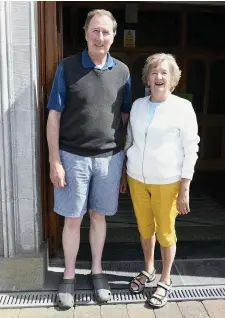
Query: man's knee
[96,217]
[166,239]
[72,223]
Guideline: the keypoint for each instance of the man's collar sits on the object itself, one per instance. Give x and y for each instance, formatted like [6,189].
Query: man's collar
[88,63]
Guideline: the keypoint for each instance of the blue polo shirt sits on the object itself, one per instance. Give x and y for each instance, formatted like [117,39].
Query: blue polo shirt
[58,93]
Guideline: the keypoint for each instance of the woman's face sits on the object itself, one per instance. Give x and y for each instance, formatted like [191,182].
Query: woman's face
[159,79]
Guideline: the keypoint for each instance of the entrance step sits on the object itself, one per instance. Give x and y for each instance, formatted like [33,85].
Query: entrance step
[189,272]
[132,251]
[185,233]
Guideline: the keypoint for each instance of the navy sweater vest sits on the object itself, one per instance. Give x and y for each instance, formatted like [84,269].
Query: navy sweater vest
[91,123]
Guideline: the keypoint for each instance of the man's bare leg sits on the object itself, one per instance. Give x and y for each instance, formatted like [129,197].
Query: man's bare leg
[71,243]
[97,240]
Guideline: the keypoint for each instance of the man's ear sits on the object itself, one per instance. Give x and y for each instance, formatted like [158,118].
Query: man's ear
[85,33]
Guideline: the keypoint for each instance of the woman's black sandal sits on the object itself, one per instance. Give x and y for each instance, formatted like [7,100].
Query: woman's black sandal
[161,298]
[140,286]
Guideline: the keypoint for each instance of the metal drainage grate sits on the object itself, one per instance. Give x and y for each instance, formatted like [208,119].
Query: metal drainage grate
[48,298]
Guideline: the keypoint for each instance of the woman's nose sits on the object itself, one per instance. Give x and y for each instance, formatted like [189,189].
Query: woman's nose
[159,75]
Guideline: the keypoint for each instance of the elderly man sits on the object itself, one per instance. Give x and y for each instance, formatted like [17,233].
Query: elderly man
[88,106]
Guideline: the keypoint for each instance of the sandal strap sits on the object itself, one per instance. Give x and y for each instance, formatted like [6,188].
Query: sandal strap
[165,286]
[147,275]
[158,297]
[137,282]
[161,299]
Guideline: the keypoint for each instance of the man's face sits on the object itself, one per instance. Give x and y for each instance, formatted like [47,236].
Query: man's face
[99,35]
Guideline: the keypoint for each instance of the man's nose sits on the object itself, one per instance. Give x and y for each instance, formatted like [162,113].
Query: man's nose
[100,36]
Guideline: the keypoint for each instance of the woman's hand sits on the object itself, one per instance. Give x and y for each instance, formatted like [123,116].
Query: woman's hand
[123,183]
[183,197]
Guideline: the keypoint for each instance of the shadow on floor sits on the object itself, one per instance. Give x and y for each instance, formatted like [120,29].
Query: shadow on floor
[184,272]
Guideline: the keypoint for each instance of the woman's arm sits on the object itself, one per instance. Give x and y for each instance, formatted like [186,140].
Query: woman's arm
[128,144]
[189,140]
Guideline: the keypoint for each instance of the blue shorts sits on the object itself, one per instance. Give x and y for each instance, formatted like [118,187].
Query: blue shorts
[92,183]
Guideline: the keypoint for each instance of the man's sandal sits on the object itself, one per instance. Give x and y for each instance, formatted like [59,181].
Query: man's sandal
[101,287]
[161,299]
[137,281]
[66,293]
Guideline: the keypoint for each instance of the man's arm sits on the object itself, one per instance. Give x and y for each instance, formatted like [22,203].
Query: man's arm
[125,118]
[53,125]
[57,172]
[126,107]
[56,105]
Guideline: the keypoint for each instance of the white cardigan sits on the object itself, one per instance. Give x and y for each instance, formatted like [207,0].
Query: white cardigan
[168,150]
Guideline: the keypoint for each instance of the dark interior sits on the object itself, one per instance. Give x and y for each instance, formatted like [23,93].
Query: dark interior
[195,35]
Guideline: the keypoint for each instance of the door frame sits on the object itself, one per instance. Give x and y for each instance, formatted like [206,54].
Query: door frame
[49,55]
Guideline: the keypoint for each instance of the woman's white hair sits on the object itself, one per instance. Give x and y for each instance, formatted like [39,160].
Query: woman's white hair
[156,59]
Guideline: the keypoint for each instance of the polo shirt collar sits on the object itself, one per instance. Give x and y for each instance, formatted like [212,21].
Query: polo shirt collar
[88,63]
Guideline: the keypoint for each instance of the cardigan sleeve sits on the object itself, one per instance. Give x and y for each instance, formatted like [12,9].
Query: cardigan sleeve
[129,137]
[190,140]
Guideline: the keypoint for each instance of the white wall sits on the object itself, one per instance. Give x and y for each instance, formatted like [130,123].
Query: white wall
[20,212]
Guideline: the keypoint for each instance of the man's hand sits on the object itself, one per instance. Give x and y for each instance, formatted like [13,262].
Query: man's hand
[57,175]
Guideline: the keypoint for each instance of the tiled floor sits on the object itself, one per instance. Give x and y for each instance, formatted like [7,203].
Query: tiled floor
[194,309]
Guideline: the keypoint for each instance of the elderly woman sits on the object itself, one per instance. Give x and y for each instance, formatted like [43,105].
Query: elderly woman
[161,149]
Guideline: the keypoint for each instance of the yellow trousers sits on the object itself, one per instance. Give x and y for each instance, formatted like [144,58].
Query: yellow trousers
[155,210]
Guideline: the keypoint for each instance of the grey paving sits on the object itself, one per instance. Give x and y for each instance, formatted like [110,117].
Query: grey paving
[112,311]
[215,309]
[57,313]
[31,312]
[171,310]
[209,309]
[193,309]
[87,312]
[9,313]
[140,311]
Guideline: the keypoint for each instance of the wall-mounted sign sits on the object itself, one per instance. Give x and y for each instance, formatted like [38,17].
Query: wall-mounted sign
[129,38]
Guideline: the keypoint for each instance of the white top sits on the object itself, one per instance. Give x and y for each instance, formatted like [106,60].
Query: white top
[167,151]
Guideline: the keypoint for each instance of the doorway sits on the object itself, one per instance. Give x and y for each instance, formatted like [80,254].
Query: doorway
[181,31]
